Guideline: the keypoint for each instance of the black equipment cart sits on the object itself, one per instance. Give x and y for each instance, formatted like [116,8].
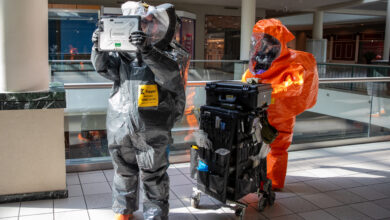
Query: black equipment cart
[233,164]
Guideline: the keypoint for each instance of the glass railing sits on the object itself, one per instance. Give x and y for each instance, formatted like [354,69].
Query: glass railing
[82,71]
[74,71]
[344,112]
[338,70]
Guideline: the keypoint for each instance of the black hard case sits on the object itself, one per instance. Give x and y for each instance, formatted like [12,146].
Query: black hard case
[238,95]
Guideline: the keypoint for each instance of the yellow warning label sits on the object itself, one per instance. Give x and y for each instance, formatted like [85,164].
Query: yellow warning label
[147,96]
[229,96]
[272,101]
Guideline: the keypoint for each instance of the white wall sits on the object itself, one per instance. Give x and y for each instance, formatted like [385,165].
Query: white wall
[32,156]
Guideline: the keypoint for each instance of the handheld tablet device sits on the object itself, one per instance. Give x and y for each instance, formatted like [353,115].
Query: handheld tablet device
[116,31]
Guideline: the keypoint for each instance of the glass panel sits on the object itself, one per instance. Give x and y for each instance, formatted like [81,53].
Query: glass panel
[77,71]
[379,93]
[216,70]
[350,71]
[82,71]
[332,70]
[182,132]
[338,114]
[85,123]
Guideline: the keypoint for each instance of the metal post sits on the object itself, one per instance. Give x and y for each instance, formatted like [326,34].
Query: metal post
[357,48]
[386,48]
[370,116]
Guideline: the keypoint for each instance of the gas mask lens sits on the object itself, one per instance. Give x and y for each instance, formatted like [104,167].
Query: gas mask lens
[264,50]
[158,23]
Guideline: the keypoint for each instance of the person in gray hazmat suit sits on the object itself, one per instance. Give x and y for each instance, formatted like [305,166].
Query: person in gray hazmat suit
[148,97]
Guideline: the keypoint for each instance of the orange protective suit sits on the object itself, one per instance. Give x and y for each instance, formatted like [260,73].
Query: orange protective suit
[294,79]
[189,113]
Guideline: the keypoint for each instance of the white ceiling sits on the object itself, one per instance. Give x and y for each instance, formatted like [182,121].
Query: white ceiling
[329,18]
[292,5]
[373,6]
[274,7]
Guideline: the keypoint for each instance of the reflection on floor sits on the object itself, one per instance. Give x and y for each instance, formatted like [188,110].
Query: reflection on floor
[347,182]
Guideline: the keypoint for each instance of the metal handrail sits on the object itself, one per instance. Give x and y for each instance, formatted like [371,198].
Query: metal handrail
[109,85]
[243,61]
[354,80]
[88,85]
[69,61]
[386,66]
[219,61]
[203,83]
[191,61]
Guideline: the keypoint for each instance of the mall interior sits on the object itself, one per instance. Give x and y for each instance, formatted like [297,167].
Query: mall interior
[54,158]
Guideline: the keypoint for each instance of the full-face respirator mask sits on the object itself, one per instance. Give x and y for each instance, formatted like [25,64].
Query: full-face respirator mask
[264,50]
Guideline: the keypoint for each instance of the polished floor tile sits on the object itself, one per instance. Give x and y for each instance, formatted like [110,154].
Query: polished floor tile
[346,213]
[317,215]
[348,182]
[36,207]
[9,210]
[372,210]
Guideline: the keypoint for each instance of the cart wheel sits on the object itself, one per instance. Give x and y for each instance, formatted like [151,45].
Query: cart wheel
[262,204]
[240,212]
[271,198]
[195,203]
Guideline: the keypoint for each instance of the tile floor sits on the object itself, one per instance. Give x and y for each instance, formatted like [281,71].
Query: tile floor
[348,182]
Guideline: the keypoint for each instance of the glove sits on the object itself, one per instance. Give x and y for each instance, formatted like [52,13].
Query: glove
[268,132]
[138,39]
[95,36]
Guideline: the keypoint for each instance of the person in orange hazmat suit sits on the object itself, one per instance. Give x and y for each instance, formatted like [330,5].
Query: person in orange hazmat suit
[294,78]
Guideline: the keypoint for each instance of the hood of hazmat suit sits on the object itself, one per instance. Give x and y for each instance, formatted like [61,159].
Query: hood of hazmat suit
[158,23]
[147,98]
[294,78]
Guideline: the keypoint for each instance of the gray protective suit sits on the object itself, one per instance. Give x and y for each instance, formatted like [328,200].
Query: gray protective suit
[139,131]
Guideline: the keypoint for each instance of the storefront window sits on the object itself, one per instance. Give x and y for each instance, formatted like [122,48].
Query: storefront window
[70,33]
[222,40]
[186,35]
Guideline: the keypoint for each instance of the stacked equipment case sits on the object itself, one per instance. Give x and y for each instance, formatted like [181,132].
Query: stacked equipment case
[229,160]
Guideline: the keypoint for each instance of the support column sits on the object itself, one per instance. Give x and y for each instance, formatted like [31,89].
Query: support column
[318,25]
[317,45]
[248,19]
[331,48]
[386,49]
[357,48]
[24,52]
